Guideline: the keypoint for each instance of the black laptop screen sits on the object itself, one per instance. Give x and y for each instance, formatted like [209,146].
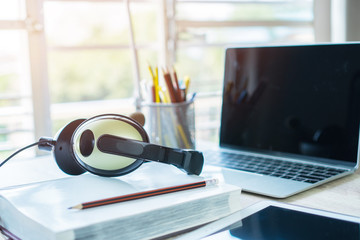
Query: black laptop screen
[293,99]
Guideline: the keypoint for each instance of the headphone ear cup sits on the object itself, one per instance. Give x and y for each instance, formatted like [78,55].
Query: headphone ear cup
[84,144]
[63,150]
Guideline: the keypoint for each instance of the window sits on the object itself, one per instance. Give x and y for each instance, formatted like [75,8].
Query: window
[61,60]
[199,38]
[90,62]
[16,111]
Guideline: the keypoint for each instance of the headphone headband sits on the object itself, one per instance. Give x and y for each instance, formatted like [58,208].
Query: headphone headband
[190,161]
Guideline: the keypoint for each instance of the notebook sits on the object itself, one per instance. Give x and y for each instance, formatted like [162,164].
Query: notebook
[290,117]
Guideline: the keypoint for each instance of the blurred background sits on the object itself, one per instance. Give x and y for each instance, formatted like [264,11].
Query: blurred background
[62,60]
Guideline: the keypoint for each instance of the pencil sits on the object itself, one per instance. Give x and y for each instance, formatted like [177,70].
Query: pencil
[187,84]
[177,87]
[155,80]
[156,83]
[145,194]
[170,87]
[6,233]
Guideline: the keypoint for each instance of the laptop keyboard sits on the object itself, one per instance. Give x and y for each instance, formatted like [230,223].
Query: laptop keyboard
[301,172]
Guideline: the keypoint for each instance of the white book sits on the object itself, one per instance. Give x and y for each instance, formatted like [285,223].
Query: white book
[41,210]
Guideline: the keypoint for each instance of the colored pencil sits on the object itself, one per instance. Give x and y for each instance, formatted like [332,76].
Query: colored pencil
[144,194]
[177,86]
[170,87]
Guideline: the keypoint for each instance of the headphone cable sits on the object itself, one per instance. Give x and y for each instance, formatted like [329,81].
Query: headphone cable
[18,151]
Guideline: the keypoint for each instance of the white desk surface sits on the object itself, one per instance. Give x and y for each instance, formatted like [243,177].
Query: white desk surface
[341,195]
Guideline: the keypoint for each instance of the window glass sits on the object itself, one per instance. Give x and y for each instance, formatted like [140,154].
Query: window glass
[12,10]
[245,35]
[83,23]
[280,10]
[89,55]
[203,66]
[14,69]
[90,75]
[16,123]
[98,23]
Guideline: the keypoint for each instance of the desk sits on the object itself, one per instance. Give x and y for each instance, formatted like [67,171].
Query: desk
[341,196]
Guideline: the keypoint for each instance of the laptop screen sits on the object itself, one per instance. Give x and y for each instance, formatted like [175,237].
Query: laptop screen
[302,100]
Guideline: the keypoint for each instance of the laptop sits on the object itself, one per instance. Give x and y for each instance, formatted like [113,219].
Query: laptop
[290,117]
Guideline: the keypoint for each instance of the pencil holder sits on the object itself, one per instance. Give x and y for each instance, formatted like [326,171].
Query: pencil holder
[171,124]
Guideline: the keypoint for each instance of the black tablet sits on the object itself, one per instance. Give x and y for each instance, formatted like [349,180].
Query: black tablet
[275,220]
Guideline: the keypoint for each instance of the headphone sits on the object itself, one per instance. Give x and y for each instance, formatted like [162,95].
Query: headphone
[113,145]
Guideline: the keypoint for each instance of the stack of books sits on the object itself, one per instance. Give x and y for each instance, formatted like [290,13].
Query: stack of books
[43,210]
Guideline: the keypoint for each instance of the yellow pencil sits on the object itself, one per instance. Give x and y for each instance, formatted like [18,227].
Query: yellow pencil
[151,73]
[155,79]
[156,84]
[187,83]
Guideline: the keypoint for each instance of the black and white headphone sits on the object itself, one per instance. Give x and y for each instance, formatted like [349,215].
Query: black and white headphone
[113,145]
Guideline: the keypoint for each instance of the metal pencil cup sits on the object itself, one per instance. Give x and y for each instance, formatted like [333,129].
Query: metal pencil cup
[171,125]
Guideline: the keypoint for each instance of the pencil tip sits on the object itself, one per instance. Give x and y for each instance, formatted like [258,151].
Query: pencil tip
[76,207]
